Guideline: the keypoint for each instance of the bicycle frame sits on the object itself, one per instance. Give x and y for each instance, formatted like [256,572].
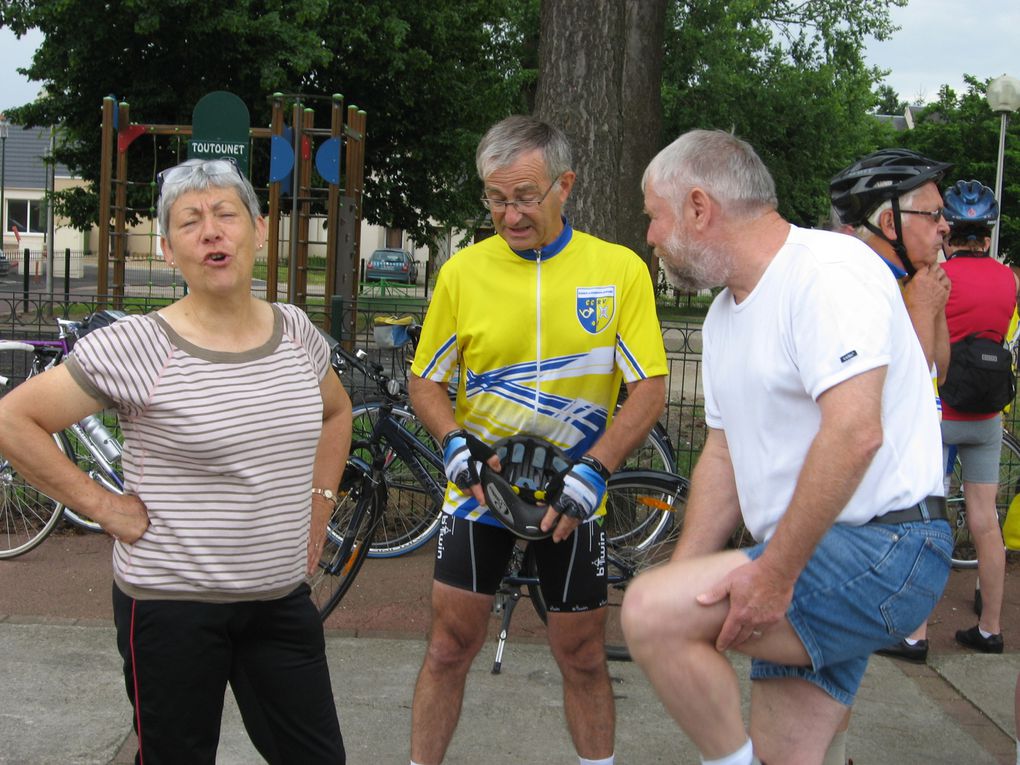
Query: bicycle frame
[388,435]
[107,476]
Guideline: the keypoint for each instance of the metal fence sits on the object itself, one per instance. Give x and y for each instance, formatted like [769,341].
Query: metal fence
[32,315]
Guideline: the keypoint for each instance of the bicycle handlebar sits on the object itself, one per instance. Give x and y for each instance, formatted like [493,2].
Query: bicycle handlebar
[390,387]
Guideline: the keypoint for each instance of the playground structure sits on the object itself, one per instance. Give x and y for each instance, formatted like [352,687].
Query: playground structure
[340,200]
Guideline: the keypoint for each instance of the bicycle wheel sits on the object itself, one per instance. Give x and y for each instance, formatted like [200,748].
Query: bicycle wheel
[27,516]
[348,536]
[637,525]
[630,492]
[411,516]
[1009,487]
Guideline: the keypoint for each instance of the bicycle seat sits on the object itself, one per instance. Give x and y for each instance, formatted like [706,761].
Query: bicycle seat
[517,495]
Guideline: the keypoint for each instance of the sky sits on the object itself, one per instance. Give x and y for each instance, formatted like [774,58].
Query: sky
[938,41]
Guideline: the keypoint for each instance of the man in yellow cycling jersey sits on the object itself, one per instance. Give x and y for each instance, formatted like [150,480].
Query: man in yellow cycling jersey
[542,323]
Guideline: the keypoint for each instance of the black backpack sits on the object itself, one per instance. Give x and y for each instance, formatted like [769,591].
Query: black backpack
[981,379]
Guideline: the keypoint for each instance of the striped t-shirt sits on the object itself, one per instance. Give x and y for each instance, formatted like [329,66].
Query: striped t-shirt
[220,448]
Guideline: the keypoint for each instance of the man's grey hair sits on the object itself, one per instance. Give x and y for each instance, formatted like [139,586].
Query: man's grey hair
[724,166]
[201,175]
[864,233]
[508,139]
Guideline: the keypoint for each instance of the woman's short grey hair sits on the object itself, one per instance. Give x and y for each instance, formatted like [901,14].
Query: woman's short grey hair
[508,139]
[200,175]
[724,166]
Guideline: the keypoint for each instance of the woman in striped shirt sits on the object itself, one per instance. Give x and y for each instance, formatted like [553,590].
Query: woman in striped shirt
[236,433]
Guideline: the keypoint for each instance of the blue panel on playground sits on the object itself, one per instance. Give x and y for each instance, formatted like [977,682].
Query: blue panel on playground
[281,157]
[327,161]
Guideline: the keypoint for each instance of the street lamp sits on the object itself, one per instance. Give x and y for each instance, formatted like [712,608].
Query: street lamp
[1003,96]
[4,127]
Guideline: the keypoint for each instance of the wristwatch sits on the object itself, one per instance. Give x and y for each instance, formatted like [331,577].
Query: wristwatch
[595,465]
[328,494]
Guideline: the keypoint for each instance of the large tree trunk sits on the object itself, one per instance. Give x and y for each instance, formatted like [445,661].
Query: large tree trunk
[600,75]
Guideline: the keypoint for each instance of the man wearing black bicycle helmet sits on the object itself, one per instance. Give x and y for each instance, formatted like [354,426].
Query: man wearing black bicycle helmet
[885,176]
[891,198]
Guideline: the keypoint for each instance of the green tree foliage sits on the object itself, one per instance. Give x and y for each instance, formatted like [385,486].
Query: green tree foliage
[962,129]
[161,57]
[430,75]
[889,101]
[786,75]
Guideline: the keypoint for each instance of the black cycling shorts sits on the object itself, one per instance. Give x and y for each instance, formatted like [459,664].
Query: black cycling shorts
[572,573]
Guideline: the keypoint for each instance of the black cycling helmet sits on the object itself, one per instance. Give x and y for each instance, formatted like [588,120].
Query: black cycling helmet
[970,203]
[884,175]
[513,495]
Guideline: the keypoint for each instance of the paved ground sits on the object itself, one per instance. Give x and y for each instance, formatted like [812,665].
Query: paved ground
[62,698]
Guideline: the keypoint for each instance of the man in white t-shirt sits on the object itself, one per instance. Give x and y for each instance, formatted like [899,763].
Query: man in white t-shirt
[822,438]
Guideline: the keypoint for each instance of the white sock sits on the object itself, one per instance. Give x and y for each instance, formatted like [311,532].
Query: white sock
[604,761]
[743,756]
[984,634]
[910,641]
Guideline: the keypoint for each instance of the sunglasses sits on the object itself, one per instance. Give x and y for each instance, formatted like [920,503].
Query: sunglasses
[178,173]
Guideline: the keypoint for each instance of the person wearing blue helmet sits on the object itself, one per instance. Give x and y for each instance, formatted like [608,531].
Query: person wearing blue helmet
[982,300]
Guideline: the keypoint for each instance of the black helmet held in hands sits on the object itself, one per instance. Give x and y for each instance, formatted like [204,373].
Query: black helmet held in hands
[514,495]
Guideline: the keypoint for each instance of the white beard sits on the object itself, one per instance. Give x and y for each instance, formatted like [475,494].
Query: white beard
[691,266]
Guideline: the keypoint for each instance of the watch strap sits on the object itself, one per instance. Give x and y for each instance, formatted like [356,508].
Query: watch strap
[595,465]
[329,494]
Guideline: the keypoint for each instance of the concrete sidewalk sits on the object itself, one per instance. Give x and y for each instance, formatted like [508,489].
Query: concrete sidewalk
[62,701]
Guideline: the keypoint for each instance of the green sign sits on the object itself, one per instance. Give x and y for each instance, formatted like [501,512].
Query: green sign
[220,127]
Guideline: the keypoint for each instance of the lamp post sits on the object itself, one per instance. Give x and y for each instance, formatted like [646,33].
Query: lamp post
[4,127]
[1003,96]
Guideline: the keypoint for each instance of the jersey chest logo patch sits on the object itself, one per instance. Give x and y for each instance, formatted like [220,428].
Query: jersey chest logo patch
[595,307]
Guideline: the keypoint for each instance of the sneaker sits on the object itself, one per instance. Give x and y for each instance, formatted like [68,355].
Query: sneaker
[973,638]
[917,653]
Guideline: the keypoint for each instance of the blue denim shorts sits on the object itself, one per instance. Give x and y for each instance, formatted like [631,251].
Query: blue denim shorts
[866,587]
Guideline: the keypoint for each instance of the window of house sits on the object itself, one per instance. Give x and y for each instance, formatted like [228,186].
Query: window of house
[29,215]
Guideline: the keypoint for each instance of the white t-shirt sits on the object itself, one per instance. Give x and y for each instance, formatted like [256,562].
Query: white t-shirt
[825,310]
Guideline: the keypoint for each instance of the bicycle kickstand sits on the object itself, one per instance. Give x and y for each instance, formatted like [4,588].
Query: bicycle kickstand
[514,597]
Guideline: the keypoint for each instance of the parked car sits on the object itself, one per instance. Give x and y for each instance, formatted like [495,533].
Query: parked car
[393,265]
[5,265]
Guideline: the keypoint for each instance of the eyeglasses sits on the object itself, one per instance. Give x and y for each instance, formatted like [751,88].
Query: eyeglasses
[209,167]
[939,213]
[521,205]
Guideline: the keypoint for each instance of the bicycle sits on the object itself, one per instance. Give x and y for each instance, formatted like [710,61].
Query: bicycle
[26,515]
[415,478]
[629,493]
[378,454]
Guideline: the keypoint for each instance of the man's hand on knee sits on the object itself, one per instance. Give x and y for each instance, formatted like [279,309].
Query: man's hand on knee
[758,599]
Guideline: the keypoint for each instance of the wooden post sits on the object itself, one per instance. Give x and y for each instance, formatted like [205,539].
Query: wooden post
[105,173]
[120,212]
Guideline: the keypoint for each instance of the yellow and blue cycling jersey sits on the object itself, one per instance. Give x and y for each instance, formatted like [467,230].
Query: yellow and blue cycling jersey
[541,340]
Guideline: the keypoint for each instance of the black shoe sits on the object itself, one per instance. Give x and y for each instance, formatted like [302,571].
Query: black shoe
[917,653]
[978,603]
[973,638]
